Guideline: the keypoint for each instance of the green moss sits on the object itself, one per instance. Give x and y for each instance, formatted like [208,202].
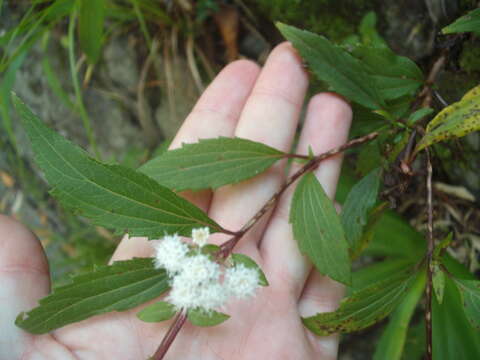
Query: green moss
[470,57]
[336,20]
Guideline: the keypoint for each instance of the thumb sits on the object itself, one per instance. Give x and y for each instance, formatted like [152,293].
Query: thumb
[24,278]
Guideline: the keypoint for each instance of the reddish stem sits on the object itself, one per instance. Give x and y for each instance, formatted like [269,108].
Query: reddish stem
[170,335]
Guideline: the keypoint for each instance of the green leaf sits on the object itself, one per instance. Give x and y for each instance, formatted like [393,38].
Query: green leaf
[438,281]
[117,287]
[415,343]
[160,311]
[368,31]
[360,200]
[211,163]
[378,271]
[442,245]
[393,339]
[209,249]
[453,335]
[455,121]
[467,23]
[418,115]
[470,291]
[330,63]
[318,230]
[111,195]
[394,76]
[363,308]
[369,231]
[248,262]
[199,317]
[90,28]
[369,158]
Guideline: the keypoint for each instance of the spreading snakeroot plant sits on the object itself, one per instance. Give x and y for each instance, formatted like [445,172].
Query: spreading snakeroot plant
[197,279]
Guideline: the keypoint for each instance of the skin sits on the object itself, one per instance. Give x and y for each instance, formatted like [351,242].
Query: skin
[246,101]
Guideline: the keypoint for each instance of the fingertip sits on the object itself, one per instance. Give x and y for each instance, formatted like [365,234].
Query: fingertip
[287,49]
[245,67]
[332,103]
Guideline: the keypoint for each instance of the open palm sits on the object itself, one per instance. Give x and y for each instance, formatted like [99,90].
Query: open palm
[244,101]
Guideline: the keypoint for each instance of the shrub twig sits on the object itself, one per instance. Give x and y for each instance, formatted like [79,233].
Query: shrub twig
[430,249]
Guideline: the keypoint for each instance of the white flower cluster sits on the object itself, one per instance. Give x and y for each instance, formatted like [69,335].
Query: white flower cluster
[197,281]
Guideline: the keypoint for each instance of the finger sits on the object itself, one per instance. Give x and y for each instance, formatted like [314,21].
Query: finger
[270,116]
[215,114]
[24,278]
[321,294]
[326,126]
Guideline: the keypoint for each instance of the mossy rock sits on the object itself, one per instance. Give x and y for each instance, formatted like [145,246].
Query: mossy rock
[336,20]
[470,57]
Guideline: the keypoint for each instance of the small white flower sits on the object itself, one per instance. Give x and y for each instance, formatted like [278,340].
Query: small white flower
[200,269]
[200,236]
[183,294]
[212,296]
[206,295]
[196,280]
[241,281]
[170,253]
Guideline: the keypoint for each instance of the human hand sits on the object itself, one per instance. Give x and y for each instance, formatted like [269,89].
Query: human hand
[242,101]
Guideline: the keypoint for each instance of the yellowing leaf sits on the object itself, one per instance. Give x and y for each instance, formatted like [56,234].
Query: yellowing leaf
[455,121]
[363,308]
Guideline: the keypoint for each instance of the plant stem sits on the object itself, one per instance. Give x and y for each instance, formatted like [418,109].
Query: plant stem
[227,247]
[170,335]
[430,249]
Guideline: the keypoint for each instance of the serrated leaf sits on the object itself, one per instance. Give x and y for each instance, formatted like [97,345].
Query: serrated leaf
[438,281]
[160,311]
[470,291]
[392,341]
[117,287]
[332,64]
[90,27]
[363,308]
[467,23]
[453,335]
[111,195]
[378,271]
[455,121]
[394,75]
[199,317]
[211,163]
[318,230]
[360,200]
[248,262]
